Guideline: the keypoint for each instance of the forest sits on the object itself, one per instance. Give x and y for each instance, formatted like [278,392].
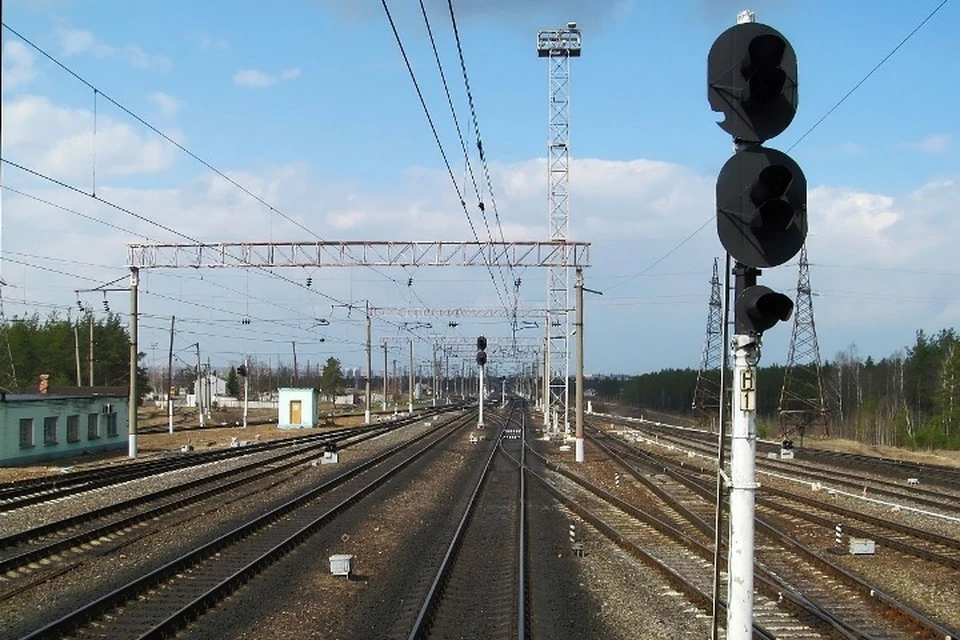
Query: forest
[61,348]
[910,398]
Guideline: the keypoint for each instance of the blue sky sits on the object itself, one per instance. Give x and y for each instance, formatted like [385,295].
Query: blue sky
[309,106]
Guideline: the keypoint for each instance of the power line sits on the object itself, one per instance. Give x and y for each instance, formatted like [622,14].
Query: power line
[436,137]
[187,237]
[98,92]
[869,73]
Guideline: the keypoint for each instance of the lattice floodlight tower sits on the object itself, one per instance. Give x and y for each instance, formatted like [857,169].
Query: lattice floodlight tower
[706,394]
[802,401]
[558,46]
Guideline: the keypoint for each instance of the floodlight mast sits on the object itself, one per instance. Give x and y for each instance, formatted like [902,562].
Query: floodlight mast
[558,45]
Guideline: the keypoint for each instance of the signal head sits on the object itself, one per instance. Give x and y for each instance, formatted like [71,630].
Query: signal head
[481,343]
[752,80]
[761,207]
[759,308]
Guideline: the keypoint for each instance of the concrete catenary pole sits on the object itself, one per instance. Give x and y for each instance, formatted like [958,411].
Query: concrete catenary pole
[170,377]
[410,381]
[132,399]
[246,389]
[199,386]
[384,376]
[578,327]
[76,349]
[90,353]
[366,411]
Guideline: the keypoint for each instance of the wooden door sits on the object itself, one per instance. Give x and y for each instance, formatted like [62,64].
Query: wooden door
[296,413]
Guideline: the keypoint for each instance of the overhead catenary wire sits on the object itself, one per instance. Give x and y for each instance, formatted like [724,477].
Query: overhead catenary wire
[436,137]
[98,92]
[456,121]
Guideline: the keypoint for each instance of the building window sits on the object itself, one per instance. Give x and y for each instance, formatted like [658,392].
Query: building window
[26,433]
[112,425]
[73,428]
[50,430]
[93,426]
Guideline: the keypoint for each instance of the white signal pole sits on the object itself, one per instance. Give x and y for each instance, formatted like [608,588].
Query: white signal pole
[246,389]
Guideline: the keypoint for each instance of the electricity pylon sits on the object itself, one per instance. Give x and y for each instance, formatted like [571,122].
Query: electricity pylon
[802,402]
[706,394]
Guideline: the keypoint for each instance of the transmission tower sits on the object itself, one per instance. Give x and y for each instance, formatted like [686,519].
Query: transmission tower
[8,372]
[802,402]
[558,46]
[706,394]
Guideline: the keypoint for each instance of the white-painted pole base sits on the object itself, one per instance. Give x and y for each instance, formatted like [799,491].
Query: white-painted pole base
[366,416]
[133,445]
[742,489]
[170,413]
[579,454]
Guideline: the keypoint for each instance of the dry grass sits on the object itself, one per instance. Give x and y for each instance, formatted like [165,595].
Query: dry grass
[940,457]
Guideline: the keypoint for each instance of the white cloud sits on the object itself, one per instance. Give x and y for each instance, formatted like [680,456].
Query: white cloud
[18,67]
[935,143]
[60,142]
[866,248]
[79,41]
[255,78]
[76,41]
[166,104]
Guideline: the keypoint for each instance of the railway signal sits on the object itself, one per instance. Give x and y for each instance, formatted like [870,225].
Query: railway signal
[762,222]
[482,362]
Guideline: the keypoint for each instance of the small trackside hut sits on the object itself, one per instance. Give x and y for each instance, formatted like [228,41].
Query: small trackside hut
[298,408]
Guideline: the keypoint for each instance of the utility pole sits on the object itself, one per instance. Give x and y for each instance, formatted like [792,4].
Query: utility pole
[366,412]
[209,385]
[76,349]
[170,377]
[578,327]
[199,386]
[132,399]
[246,388]
[90,356]
[385,372]
[410,383]
[435,376]
[296,371]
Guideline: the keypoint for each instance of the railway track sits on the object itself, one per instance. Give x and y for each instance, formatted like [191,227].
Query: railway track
[788,564]
[944,501]
[478,591]
[157,603]
[21,493]
[22,551]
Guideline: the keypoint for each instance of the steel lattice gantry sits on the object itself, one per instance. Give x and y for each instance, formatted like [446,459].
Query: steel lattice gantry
[457,312]
[558,46]
[359,253]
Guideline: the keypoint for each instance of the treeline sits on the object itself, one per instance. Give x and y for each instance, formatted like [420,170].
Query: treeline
[50,346]
[910,398]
